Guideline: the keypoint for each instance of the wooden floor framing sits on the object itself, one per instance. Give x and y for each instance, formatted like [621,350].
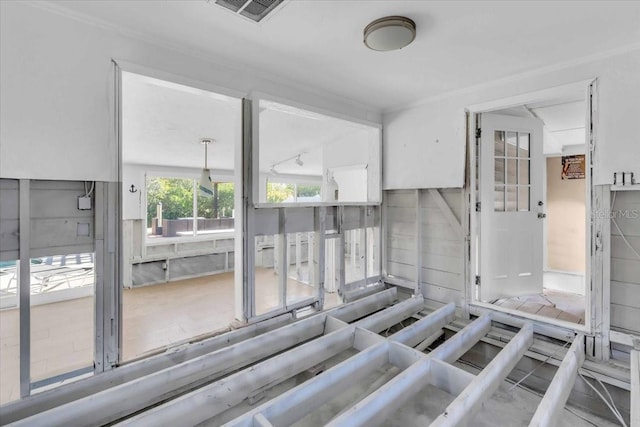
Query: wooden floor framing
[326,353]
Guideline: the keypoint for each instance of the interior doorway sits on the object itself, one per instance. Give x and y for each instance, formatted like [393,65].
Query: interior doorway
[531,247]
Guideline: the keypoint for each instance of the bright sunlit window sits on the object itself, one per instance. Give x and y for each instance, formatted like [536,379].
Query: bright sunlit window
[175,209]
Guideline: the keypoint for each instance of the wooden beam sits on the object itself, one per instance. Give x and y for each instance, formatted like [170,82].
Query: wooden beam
[465,406]
[24,287]
[552,405]
[418,237]
[448,213]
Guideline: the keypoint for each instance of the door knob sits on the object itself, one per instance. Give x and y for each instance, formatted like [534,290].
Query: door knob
[542,215]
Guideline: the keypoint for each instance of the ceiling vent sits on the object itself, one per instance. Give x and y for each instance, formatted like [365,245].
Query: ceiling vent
[256,10]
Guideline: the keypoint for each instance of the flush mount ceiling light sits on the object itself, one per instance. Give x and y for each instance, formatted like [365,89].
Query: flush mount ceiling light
[389,33]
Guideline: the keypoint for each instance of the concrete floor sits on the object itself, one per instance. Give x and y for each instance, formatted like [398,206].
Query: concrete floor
[154,317]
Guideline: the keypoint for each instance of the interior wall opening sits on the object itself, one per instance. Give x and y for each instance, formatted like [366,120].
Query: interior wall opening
[534,197]
[179,204]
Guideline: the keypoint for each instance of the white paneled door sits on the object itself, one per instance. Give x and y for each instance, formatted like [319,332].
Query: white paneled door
[512,210]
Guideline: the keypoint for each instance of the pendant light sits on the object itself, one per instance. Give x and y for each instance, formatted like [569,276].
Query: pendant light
[205,187]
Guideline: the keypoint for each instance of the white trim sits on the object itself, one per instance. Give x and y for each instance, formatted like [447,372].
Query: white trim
[257,96]
[154,73]
[529,97]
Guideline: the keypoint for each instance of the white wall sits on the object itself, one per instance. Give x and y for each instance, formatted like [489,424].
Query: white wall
[56,79]
[424,146]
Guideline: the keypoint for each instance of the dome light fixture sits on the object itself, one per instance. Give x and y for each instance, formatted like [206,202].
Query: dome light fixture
[389,33]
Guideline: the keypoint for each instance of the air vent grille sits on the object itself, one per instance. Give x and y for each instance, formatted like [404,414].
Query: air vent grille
[255,10]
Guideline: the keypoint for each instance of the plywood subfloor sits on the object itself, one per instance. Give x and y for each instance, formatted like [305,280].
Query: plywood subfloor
[153,317]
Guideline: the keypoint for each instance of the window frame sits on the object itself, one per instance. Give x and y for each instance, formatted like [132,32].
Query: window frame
[255,98]
[193,176]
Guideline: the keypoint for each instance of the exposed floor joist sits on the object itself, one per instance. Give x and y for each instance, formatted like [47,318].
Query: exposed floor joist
[338,349]
[555,398]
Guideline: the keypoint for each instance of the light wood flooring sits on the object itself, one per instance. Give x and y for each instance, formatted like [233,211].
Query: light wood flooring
[154,317]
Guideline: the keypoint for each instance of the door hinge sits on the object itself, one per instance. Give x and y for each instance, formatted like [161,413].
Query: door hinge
[478,133]
[477,280]
[477,206]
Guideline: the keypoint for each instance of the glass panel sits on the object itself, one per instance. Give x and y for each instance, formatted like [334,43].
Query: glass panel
[523,141]
[299,251]
[267,274]
[280,193]
[308,193]
[306,148]
[512,176]
[373,251]
[500,170]
[169,207]
[523,172]
[499,144]
[62,314]
[354,242]
[523,198]
[215,214]
[512,194]
[512,144]
[498,199]
[8,284]
[9,332]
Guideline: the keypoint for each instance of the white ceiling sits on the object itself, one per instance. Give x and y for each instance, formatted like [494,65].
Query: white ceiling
[163,123]
[319,42]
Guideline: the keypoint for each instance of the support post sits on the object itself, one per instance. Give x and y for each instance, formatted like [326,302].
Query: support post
[419,220]
[635,383]
[24,287]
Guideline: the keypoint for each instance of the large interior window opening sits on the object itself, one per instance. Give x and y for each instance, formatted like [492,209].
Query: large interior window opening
[316,191]
[179,240]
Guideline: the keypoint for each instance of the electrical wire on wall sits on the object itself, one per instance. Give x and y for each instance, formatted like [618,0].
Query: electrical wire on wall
[89,192]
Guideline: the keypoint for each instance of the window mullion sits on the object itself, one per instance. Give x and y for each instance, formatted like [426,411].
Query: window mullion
[195,207]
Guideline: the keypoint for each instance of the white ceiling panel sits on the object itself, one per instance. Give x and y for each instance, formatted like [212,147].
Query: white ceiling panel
[319,43]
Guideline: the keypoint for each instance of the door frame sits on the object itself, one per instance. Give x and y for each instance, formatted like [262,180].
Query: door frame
[473,113]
